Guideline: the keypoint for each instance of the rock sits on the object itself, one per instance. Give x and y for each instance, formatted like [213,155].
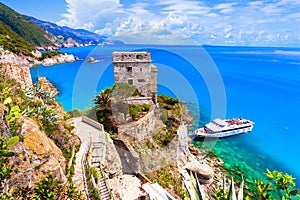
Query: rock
[219,161]
[113,162]
[119,118]
[47,85]
[36,156]
[3,128]
[204,172]
[19,73]
[62,58]
[91,60]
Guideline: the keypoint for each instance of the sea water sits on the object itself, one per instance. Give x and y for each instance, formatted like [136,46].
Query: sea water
[261,84]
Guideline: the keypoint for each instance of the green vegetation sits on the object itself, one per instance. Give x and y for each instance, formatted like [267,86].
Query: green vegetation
[11,41]
[124,90]
[277,183]
[5,168]
[23,27]
[116,95]
[171,114]
[137,111]
[48,188]
[168,177]
[40,106]
[223,194]
[103,110]
[49,54]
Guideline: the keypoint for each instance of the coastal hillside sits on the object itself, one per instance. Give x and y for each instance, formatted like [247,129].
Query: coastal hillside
[24,28]
[66,36]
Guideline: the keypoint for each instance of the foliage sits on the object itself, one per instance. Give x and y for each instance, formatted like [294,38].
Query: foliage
[167,102]
[125,90]
[223,194]
[169,178]
[103,109]
[170,114]
[96,174]
[195,191]
[6,169]
[23,27]
[49,188]
[49,54]
[283,183]
[136,111]
[11,41]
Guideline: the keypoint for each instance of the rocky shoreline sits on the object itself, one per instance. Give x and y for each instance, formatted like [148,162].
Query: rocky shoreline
[28,61]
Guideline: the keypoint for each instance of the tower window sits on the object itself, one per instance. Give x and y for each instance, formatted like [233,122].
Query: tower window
[130,81]
[141,80]
[141,69]
[129,69]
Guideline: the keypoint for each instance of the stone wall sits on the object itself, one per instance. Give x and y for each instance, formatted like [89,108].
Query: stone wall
[142,128]
[20,74]
[139,100]
[135,68]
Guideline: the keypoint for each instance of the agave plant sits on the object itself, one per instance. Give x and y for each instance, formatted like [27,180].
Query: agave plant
[231,194]
[195,191]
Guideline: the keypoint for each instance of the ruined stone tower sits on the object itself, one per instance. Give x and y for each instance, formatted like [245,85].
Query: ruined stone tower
[135,68]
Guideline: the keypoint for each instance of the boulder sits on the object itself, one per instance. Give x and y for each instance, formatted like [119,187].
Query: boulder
[112,162]
[204,172]
[36,156]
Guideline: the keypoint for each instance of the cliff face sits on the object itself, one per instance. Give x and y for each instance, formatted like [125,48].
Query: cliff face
[7,57]
[20,74]
[36,156]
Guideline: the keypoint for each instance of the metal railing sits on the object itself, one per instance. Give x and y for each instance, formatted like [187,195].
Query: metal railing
[83,161]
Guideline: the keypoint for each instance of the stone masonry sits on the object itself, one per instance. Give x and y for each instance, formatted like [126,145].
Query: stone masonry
[135,68]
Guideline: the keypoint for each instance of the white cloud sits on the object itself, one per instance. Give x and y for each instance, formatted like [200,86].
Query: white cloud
[257,23]
[225,7]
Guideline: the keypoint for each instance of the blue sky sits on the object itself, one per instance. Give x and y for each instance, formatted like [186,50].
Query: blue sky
[215,22]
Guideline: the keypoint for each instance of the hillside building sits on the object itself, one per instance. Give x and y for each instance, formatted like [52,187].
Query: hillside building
[135,68]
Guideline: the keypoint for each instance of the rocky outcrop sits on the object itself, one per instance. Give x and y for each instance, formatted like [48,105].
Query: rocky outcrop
[112,162]
[36,156]
[47,85]
[204,172]
[62,58]
[28,61]
[19,73]
[20,60]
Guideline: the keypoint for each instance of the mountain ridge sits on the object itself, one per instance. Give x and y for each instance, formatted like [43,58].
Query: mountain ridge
[67,36]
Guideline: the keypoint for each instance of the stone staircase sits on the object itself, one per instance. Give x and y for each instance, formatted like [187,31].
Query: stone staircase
[102,187]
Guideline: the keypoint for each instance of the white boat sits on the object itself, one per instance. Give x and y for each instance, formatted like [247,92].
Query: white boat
[223,128]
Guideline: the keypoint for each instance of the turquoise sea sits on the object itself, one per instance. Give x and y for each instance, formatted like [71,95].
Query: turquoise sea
[257,83]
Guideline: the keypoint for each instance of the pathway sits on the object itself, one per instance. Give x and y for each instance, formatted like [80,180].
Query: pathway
[88,131]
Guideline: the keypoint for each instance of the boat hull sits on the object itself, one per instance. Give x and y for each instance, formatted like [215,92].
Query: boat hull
[201,133]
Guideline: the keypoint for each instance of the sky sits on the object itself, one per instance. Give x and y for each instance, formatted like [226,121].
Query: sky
[212,22]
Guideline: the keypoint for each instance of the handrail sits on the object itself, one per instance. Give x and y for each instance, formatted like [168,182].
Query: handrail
[106,183]
[91,175]
[83,160]
[92,123]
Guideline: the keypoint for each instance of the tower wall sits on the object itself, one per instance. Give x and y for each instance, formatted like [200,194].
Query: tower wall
[135,68]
